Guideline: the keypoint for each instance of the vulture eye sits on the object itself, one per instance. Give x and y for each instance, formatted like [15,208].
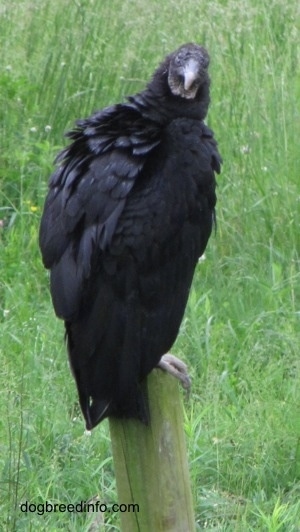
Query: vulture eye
[205,63]
[178,60]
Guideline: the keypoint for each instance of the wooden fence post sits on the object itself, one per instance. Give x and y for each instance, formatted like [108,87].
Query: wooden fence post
[151,464]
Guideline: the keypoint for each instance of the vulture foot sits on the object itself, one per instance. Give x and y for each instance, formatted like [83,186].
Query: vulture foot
[175,367]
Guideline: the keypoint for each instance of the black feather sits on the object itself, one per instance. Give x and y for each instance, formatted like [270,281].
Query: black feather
[129,211]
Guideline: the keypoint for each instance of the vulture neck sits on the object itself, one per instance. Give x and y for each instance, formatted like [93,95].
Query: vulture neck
[159,105]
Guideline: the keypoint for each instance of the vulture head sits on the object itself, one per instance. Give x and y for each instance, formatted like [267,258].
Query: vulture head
[188,70]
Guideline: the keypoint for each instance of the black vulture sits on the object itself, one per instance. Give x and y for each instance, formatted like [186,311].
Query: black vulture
[129,211]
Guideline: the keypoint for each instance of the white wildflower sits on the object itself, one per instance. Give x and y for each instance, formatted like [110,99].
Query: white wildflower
[245,149]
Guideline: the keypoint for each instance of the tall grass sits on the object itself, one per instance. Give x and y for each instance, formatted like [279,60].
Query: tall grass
[60,61]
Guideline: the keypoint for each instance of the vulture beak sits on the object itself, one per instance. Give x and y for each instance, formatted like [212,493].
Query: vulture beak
[190,74]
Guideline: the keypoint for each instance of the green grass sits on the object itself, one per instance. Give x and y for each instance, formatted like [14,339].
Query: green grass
[241,332]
